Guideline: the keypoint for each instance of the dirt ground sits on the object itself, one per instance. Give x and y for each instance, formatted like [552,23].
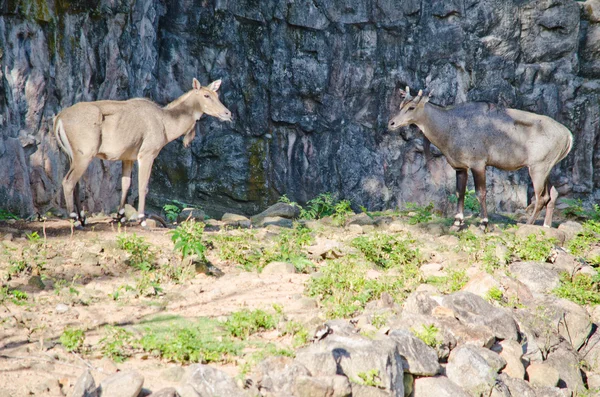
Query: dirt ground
[81,269]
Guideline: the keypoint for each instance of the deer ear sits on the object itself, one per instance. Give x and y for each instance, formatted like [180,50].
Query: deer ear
[196,84]
[214,86]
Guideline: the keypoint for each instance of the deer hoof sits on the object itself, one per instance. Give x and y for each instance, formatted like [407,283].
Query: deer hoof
[143,223]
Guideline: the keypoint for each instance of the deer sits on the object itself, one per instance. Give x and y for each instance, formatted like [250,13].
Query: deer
[131,130]
[475,135]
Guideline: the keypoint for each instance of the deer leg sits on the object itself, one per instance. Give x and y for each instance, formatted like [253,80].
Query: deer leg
[539,177]
[78,167]
[480,189]
[144,169]
[125,184]
[78,207]
[461,187]
[550,206]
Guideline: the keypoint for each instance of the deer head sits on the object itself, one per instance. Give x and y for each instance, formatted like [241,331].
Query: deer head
[411,109]
[207,100]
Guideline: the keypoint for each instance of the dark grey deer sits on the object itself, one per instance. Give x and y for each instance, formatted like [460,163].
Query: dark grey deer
[475,135]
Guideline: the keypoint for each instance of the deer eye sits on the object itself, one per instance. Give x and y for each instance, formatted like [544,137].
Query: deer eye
[411,108]
[206,96]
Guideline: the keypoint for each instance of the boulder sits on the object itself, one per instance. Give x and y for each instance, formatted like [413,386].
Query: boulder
[570,229]
[276,375]
[322,386]
[439,386]
[417,357]
[235,220]
[279,268]
[282,210]
[208,381]
[481,283]
[361,219]
[516,386]
[166,392]
[191,213]
[85,386]
[276,221]
[121,384]
[538,277]
[471,309]
[567,363]
[419,303]
[542,375]
[512,353]
[350,355]
[547,232]
[469,369]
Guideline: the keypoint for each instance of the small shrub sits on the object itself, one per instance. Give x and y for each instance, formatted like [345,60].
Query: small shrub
[388,250]
[298,331]
[188,239]
[141,256]
[418,214]
[494,294]
[116,345]
[429,335]
[369,378]
[341,212]
[171,212]
[244,323]
[471,201]
[6,215]
[321,206]
[454,281]
[532,248]
[72,339]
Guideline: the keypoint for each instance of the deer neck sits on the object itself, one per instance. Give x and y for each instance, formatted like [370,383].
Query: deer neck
[434,125]
[181,116]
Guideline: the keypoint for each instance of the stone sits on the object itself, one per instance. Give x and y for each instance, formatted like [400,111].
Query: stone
[540,279]
[439,386]
[480,284]
[61,308]
[542,375]
[131,213]
[361,219]
[417,358]
[282,210]
[85,386]
[471,371]
[166,392]
[517,386]
[570,229]
[512,353]
[432,270]
[191,213]
[359,390]
[547,232]
[276,375]
[419,303]
[325,248]
[473,310]
[279,268]
[409,384]
[276,221]
[573,321]
[173,374]
[550,392]
[325,386]
[208,381]
[567,363]
[121,384]
[36,282]
[235,220]
[350,355]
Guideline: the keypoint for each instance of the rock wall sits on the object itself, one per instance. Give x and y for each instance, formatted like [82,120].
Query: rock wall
[311,84]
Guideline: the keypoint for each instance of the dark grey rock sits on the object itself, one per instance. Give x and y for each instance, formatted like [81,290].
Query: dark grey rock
[311,85]
[191,213]
[282,210]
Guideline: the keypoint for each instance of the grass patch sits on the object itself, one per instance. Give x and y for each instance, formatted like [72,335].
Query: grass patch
[582,289]
[389,250]
[244,323]
[429,334]
[141,256]
[418,214]
[454,281]
[117,343]
[343,288]
[72,339]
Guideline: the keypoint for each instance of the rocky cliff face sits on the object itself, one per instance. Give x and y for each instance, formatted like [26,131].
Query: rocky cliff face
[311,84]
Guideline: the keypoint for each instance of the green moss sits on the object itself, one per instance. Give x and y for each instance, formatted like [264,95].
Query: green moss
[257,184]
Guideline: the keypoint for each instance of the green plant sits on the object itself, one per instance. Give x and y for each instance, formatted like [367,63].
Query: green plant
[72,339]
[6,215]
[471,201]
[429,335]
[147,284]
[582,289]
[188,239]
[494,294]
[171,212]
[244,323]
[341,211]
[285,199]
[369,378]
[379,320]
[418,214]
[116,344]
[321,206]
[16,296]
[389,250]
[581,244]
[140,254]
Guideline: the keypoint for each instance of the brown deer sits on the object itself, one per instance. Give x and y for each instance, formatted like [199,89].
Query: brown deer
[475,135]
[136,129]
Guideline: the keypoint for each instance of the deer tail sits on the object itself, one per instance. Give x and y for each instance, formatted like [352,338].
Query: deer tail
[61,138]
